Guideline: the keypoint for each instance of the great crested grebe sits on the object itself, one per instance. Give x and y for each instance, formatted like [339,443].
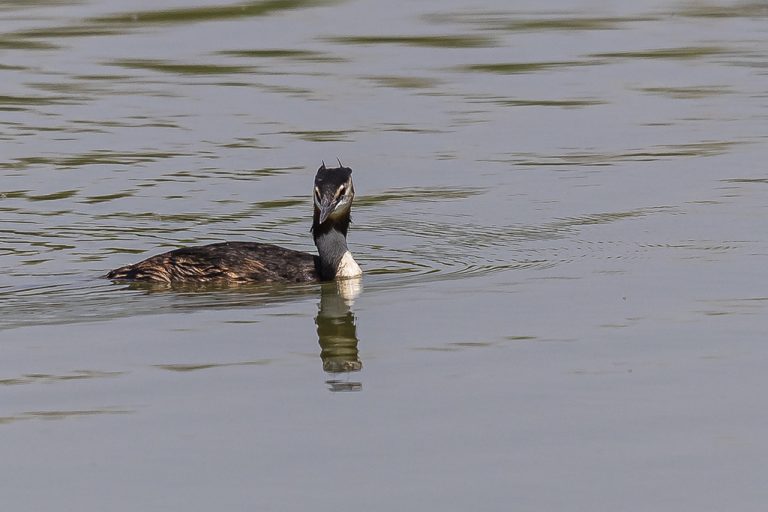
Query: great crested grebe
[242,262]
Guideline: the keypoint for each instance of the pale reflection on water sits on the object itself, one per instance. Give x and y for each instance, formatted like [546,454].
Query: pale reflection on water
[337,332]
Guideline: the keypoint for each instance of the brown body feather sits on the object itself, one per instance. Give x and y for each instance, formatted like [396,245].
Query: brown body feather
[234,262]
[244,262]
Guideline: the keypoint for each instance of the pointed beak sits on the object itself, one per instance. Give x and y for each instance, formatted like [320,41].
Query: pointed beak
[326,208]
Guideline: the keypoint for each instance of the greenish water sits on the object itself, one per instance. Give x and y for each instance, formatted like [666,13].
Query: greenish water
[560,213]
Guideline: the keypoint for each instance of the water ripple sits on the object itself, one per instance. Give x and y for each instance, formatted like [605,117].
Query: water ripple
[409,249]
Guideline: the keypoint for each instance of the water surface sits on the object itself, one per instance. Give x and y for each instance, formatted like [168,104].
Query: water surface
[560,213]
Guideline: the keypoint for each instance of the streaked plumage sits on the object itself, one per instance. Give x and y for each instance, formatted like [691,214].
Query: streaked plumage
[242,262]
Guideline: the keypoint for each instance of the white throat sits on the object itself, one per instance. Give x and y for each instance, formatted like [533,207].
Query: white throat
[348,267]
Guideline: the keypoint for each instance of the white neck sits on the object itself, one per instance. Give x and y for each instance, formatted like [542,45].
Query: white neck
[348,267]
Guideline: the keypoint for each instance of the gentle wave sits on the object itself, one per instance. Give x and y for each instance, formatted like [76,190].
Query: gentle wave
[61,280]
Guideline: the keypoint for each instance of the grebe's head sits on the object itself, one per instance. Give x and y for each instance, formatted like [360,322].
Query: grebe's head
[333,193]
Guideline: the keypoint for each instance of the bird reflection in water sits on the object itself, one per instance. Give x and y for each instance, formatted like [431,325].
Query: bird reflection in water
[337,332]
[335,321]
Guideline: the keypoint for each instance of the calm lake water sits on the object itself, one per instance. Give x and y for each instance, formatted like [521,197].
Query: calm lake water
[560,212]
